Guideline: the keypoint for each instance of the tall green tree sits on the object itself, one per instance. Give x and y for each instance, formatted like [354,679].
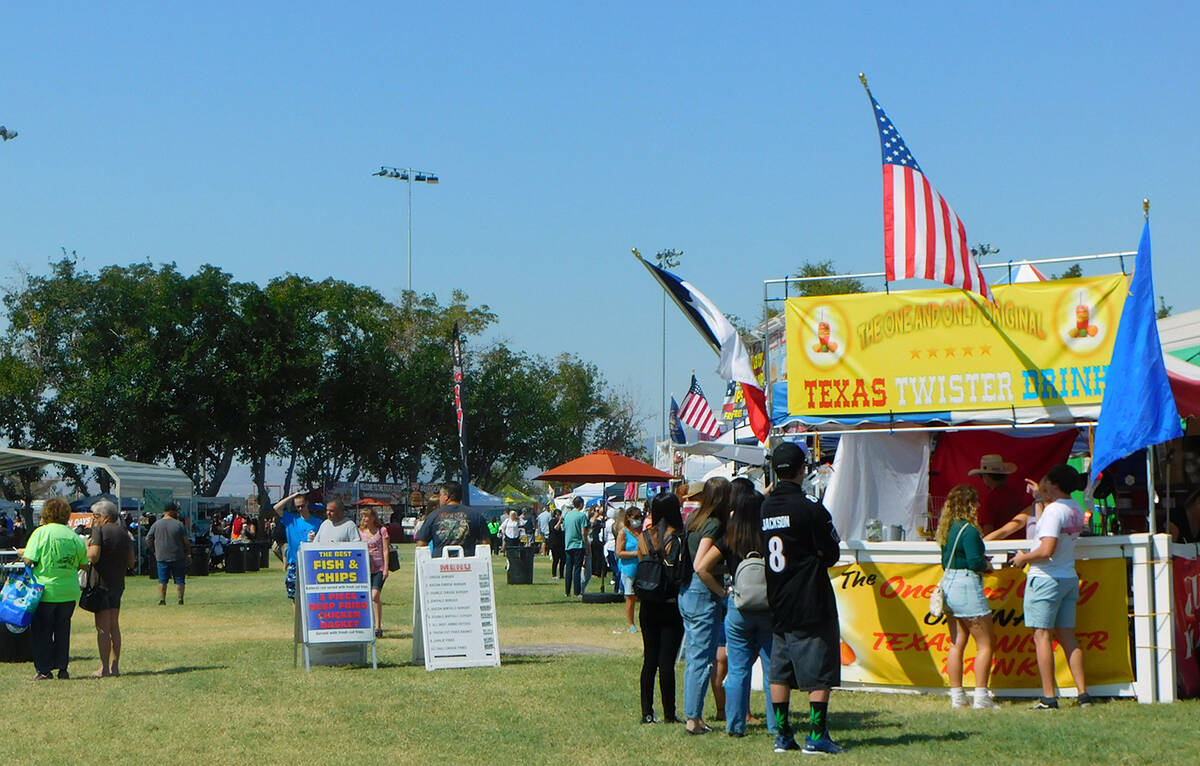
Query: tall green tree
[839,286]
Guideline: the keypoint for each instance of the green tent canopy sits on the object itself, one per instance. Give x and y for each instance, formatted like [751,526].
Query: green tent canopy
[514,496]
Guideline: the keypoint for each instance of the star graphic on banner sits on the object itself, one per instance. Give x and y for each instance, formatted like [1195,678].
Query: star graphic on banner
[966,351]
[914,353]
[949,353]
[931,353]
[985,350]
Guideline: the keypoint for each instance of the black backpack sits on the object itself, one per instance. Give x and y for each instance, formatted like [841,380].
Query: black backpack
[660,574]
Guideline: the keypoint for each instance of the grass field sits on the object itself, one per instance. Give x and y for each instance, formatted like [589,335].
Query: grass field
[212,682]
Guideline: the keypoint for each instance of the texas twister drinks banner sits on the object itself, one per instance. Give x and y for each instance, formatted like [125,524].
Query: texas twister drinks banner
[889,637]
[1041,344]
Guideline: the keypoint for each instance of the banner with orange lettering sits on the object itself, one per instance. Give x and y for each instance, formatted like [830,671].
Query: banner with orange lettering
[1187,624]
[890,639]
[1041,344]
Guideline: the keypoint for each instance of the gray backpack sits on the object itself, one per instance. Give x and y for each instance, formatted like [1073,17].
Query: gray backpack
[750,584]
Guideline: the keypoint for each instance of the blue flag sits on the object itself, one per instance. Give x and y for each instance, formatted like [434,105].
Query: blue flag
[1138,409]
[674,425]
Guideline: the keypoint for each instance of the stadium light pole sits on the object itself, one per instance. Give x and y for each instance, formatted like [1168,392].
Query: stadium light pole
[665,259]
[408,175]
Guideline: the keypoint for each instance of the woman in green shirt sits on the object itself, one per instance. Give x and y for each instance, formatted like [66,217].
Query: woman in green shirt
[968,613]
[55,554]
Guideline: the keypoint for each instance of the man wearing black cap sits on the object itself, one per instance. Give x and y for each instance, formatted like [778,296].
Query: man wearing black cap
[800,544]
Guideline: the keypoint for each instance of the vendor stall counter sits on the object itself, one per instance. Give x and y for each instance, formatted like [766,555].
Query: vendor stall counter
[890,642]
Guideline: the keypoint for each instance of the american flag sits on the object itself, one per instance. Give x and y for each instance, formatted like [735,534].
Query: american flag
[922,236]
[696,413]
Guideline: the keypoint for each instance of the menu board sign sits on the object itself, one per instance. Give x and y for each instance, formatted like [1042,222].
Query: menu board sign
[454,610]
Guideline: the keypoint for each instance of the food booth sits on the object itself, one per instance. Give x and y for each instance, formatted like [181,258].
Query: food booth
[918,385]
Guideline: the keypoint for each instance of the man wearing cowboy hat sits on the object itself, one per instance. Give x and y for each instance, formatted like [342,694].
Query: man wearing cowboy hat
[1002,501]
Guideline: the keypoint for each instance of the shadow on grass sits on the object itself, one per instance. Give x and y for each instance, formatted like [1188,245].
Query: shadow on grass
[903,739]
[506,659]
[848,723]
[853,720]
[524,659]
[174,671]
[381,666]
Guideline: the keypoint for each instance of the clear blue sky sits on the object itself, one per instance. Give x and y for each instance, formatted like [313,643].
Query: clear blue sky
[244,135]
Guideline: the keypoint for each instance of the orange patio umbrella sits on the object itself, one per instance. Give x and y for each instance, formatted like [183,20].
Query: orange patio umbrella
[604,466]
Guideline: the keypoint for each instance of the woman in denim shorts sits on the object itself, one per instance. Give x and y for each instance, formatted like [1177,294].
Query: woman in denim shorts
[1052,586]
[968,612]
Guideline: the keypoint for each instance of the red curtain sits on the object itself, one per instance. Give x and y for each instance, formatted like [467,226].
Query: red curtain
[958,452]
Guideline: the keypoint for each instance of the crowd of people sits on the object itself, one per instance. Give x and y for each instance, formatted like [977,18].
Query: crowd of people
[731,529]
[742,577]
[750,576]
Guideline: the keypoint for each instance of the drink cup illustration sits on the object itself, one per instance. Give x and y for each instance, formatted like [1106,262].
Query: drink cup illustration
[1083,320]
[824,344]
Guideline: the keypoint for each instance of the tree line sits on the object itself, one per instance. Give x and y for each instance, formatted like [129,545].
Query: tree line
[330,378]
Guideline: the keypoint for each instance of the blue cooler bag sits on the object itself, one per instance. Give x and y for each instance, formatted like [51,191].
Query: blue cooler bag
[19,599]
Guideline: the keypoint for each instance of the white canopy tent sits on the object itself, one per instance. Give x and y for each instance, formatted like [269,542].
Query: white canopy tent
[130,479]
[1180,333]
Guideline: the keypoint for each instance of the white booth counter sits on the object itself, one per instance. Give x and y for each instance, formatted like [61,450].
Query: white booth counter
[890,642]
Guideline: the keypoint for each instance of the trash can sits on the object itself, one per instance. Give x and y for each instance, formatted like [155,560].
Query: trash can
[235,558]
[200,559]
[16,647]
[520,564]
[251,557]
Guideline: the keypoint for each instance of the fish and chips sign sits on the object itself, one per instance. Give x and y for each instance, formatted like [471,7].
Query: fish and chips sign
[1040,344]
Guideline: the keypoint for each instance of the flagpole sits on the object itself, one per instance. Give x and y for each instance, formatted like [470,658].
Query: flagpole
[768,387]
[887,286]
[1151,506]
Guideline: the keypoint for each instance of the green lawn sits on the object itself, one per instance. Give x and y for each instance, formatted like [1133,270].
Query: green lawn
[212,682]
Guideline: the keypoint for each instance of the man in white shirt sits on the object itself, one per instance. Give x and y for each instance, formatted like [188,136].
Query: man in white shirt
[336,528]
[510,530]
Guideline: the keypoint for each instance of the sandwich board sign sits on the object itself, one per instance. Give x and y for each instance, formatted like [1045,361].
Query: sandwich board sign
[454,610]
[333,604]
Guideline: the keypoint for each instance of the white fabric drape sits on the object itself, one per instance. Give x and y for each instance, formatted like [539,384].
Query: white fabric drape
[879,476]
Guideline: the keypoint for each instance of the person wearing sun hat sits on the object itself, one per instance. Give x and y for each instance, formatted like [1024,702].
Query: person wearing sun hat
[1002,501]
[692,496]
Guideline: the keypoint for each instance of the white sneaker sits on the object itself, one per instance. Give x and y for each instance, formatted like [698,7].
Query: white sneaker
[984,703]
[959,701]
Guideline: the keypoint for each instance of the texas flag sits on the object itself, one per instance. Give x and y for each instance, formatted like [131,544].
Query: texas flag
[724,338]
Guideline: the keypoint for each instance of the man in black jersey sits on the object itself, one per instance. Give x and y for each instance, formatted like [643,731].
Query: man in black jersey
[800,544]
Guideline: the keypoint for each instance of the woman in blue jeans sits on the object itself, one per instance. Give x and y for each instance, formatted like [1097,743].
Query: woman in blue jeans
[701,610]
[748,632]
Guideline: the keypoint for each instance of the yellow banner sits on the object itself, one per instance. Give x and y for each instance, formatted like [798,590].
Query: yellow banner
[1040,344]
[889,637]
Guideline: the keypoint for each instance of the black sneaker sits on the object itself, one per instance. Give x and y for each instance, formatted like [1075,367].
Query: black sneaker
[649,718]
[1046,703]
[63,675]
[1084,700]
